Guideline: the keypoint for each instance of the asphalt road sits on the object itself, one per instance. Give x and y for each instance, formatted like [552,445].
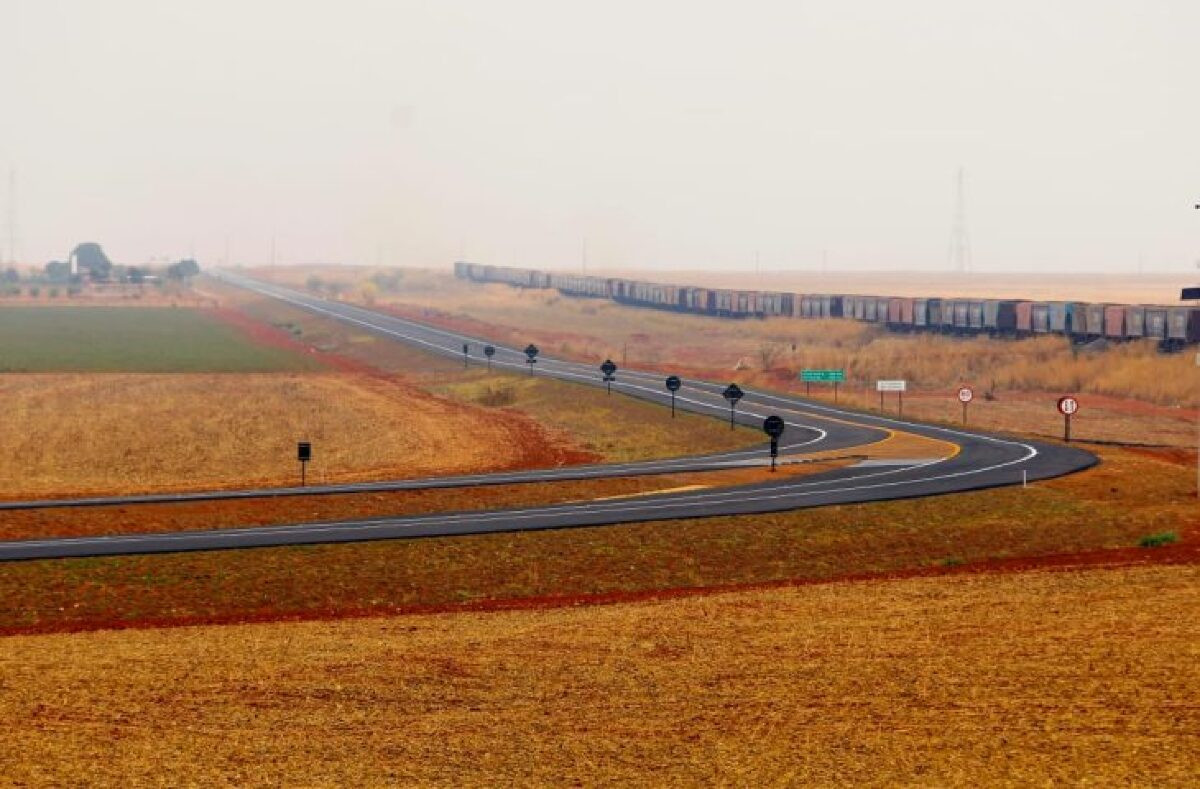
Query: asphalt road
[978,462]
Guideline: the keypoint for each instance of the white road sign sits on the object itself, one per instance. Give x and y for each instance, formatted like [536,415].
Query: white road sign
[891,386]
[1068,405]
[965,394]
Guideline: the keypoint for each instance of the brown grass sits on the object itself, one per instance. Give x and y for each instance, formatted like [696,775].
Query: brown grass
[73,434]
[1050,677]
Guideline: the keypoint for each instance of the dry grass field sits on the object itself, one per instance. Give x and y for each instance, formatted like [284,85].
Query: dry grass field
[1131,392]
[84,434]
[1081,677]
[1101,515]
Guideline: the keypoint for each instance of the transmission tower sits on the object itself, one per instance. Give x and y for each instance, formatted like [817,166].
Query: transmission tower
[960,242]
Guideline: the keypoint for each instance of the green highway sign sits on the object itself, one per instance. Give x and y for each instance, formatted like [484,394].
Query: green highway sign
[823,375]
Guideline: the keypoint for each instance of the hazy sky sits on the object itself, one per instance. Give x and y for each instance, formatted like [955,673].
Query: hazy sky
[672,134]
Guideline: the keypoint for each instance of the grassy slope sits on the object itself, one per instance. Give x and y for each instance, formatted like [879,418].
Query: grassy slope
[1037,678]
[117,339]
[1131,495]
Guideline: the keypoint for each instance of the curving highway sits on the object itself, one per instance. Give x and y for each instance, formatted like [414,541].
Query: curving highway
[974,461]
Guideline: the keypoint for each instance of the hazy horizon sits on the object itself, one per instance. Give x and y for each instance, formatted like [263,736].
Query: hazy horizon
[782,136]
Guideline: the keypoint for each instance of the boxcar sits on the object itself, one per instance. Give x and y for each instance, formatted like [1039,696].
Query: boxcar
[960,310]
[1135,322]
[1183,326]
[1095,319]
[1114,321]
[1000,316]
[1156,323]
[1039,317]
[975,315]
[1062,316]
[1024,317]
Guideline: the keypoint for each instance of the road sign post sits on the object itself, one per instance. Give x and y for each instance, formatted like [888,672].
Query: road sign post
[1067,406]
[608,368]
[489,352]
[892,386]
[466,355]
[531,352]
[303,454]
[965,395]
[773,426]
[834,377]
[673,384]
[732,393]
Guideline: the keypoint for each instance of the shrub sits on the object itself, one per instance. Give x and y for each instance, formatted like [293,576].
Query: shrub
[497,396]
[1158,540]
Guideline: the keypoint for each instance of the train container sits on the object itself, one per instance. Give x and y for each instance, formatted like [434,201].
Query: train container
[920,313]
[1000,316]
[1135,322]
[869,306]
[933,315]
[1023,317]
[848,303]
[1156,323]
[835,307]
[975,315]
[810,306]
[1095,319]
[1183,326]
[1079,323]
[1114,321]
[881,310]
[962,320]
[460,269]
[1062,317]
[893,312]
[1039,317]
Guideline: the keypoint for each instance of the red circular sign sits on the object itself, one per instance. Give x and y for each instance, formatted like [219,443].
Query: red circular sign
[1067,405]
[965,394]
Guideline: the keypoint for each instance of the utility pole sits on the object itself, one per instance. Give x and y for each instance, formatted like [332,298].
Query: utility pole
[12,216]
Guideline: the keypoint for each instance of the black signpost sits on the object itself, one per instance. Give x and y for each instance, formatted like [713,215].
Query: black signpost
[673,384]
[489,352]
[531,352]
[303,454]
[466,355]
[773,427]
[732,393]
[608,368]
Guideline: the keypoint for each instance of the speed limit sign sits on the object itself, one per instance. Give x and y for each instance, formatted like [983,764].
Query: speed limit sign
[965,395]
[1067,406]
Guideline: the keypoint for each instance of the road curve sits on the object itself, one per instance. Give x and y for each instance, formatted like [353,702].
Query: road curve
[979,461]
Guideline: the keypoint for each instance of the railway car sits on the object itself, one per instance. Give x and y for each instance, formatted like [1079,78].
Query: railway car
[1135,322]
[1023,318]
[961,319]
[1089,322]
[1183,327]
[975,316]
[1000,317]
[1062,317]
[1039,317]
[1156,323]
[1115,318]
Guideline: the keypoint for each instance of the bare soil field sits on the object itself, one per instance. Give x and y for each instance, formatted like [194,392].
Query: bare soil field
[1034,678]
[1103,514]
[1130,393]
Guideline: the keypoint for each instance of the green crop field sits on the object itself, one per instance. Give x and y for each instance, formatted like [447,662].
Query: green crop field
[141,339]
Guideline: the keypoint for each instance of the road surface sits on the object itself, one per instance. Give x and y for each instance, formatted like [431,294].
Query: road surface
[974,461]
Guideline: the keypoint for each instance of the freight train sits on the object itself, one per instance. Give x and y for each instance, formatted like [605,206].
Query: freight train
[1172,327]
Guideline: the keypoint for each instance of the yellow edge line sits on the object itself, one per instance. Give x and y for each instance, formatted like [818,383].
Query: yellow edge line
[893,434]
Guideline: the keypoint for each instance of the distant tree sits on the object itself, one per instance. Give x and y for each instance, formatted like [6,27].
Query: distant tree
[314,283]
[91,257]
[136,275]
[183,270]
[58,271]
[11,275]
[768,354]
[369,292]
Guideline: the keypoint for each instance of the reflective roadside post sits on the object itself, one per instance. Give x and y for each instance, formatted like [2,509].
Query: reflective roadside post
[732,393]
[489,352]
[673,384]
[773,427]
[608,368]
[531,352]
[466,355]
